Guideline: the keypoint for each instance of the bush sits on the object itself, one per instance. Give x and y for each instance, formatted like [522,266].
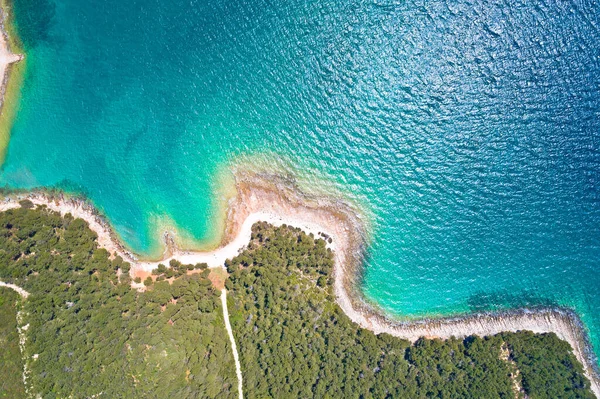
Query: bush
[27,204]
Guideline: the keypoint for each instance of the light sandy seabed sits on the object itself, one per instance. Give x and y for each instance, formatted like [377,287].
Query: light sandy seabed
[273,199]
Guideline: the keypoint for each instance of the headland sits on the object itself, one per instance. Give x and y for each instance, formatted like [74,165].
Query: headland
[278,201]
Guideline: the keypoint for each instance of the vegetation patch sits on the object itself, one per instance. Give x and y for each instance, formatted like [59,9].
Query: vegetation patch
[295,341]
[547,365]
[93,334]
[11,363]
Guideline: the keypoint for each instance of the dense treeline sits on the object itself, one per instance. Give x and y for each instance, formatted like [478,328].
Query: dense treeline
[549,368]
[296,342]
[11,363]
[93,334]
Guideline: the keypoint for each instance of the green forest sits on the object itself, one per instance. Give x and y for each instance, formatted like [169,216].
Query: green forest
[295,342]
[11,363]
[91,335]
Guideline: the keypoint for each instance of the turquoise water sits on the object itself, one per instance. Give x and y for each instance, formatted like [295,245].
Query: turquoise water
[470,131]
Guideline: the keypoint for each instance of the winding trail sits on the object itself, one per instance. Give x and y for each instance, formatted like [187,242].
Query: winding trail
[19,290]
[236,358]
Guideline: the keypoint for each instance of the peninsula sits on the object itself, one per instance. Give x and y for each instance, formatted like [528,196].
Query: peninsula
[277,201]
[178,336]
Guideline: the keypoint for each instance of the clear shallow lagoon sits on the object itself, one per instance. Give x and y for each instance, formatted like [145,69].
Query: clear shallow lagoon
[470,130]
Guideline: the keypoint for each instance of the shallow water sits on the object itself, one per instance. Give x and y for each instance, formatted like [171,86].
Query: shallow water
[470,131]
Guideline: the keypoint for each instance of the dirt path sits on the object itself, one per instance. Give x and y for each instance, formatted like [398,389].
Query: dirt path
[236,358]
[19,290]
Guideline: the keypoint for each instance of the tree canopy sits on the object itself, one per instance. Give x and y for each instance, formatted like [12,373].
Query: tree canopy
[296,342]
[90,333]
[11,363]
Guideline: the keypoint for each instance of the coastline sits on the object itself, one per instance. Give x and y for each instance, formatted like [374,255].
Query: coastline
[276,200]
[8,88]
[7,57]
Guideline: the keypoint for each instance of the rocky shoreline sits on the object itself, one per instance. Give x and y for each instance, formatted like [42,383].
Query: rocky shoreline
[277,200]
[6,56]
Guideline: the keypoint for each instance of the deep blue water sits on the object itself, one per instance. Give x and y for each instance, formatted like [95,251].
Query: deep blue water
[468,130]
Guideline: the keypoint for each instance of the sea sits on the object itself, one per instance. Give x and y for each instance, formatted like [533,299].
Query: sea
[466,132]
